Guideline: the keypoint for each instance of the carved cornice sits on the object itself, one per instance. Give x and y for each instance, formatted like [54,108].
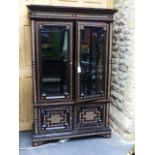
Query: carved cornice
[73,16]
[72,13]
[71,9]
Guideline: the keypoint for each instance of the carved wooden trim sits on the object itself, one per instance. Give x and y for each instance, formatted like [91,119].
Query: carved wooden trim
[70,9]
[38,14]
[110,60]
[80,26]
[95,17]
[73,16]
[38,65]
[33,62]
[35,121]
[107,114]
[106,62]
[34,85]
[105,133]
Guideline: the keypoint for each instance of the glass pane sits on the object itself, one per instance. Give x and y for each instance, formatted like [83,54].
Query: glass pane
[55,60]
[92,61]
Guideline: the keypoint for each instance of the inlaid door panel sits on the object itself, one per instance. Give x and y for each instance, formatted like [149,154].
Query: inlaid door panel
[92,53]
[53,119]
[90,116]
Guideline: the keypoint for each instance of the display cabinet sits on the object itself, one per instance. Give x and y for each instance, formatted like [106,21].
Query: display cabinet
[71,65]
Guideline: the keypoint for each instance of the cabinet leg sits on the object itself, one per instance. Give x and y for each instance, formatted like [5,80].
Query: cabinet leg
[37,143]
[107,135]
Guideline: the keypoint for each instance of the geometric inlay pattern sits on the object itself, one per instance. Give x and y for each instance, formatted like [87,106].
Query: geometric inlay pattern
[54,119]
[88,116]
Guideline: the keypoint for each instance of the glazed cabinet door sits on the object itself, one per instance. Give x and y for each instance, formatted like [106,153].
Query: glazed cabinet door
[91,64]
[54,61]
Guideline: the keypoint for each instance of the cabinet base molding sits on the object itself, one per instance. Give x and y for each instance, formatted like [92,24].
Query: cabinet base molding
[39,139]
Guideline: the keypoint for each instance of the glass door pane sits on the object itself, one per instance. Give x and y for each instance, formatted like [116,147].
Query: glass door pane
[55,55]
[92,61]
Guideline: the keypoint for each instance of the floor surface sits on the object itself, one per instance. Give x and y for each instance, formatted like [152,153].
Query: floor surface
[83,146]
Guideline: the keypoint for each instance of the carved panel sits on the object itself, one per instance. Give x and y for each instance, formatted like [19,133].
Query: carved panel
[90,116]
[55,118]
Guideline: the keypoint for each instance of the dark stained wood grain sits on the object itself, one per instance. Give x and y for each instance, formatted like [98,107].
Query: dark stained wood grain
[73,116]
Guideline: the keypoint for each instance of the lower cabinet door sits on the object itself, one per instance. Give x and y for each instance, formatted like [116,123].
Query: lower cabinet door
[90,116]
[55,119]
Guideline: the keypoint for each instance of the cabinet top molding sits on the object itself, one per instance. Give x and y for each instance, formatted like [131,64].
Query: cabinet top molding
[73,13]
[71,9]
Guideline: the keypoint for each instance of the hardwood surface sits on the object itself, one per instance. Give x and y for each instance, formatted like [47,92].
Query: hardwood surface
[25,78]
[89,114]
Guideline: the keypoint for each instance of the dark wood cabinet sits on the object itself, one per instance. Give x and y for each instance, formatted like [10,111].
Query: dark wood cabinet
[71,63]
